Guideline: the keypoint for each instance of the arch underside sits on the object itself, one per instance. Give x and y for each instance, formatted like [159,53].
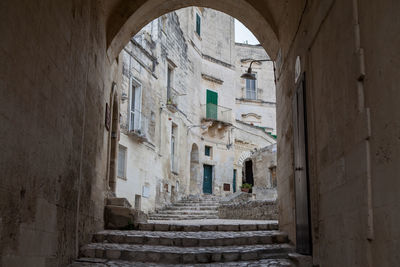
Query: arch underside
[129,17]
[245,155]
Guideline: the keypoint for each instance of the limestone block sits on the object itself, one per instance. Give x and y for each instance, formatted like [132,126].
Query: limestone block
[118,201]
[117,217]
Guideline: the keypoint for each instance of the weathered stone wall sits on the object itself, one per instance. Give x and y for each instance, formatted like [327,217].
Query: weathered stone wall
[249,210]
[55,81]
[260,111]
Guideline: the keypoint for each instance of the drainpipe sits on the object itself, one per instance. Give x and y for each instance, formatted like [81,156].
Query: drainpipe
[361,108]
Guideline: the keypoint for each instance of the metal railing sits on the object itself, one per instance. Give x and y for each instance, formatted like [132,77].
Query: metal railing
[217,112]
[172,97]
[138,124]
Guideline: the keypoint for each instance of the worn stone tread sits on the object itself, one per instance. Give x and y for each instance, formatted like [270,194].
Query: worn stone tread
[173,254]
[207,225]
[210,238]
[87,262]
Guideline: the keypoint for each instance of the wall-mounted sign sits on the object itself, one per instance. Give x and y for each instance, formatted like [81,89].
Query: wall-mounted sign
[227,187]
[297,69]
[107,117]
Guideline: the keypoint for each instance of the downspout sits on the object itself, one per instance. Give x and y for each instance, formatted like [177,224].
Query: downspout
[361,108]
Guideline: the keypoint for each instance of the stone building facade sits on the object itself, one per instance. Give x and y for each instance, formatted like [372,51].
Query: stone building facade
[185,125]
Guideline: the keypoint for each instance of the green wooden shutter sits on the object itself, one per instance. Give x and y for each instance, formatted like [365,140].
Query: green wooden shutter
[212,105]
[198,23]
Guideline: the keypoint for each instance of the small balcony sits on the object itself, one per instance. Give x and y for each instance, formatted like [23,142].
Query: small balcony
[172,99]
[138,126]
[217,113]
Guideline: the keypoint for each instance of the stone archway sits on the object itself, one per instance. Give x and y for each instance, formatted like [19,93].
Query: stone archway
[194,170]
[127,18]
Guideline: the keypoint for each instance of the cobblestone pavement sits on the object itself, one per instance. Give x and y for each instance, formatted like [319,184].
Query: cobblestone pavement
[260,263]
[212,222]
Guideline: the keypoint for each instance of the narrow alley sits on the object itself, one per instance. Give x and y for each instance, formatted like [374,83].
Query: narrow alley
[199,133]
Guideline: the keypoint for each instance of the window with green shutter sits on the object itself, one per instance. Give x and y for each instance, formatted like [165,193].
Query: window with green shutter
[198,24]
[212,105]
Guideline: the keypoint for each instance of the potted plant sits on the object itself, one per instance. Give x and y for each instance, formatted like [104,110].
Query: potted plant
[246,187]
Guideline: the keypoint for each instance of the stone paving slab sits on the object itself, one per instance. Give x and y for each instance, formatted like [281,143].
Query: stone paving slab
[115,263]
[179,255]
[186,239]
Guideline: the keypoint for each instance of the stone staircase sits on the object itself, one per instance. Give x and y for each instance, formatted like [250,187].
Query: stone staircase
[190,208]
[174,238]
[234,243]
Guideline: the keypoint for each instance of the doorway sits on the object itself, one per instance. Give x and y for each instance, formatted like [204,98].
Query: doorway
[234,181]
[207,179]
[301,183]
[248,172]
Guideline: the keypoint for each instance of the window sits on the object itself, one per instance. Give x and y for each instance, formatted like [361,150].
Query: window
[207,151]
[122,162]
[169,84]
[198,24]
[251,90]
[212,105]
[174,138]
[135,106]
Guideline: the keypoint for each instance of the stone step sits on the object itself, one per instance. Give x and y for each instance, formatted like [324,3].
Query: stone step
[195,227]
[190,203]
[185,212]
[178,255]
[191,239]
[94,262]
[191,208]
[182,217]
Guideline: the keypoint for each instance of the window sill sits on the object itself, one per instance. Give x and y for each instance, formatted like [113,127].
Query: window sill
[198,36]
[122,178]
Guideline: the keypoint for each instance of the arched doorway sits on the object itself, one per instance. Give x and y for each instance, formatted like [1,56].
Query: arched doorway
[113,142]
[248,172]
[194,169]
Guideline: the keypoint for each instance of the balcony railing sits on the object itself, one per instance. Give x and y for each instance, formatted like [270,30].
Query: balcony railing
[138,124]
[217,113]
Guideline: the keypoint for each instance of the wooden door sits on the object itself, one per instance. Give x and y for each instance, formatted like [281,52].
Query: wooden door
[234,181]
[207,179]
[301,183]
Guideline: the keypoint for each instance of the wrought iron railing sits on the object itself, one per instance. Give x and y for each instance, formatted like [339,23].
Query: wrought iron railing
[138,124]
[217,112]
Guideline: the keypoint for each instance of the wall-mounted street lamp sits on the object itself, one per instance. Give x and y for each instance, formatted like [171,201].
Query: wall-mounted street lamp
[251,76]
[202,126]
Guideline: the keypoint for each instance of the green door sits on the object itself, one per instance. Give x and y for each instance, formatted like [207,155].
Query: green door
[212,105]
[207,179]
[234,181]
